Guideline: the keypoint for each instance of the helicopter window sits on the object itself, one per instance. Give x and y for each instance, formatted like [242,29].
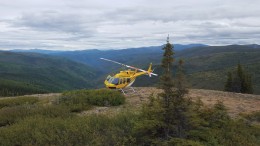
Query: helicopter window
[110,80]
[108,77]
[125,80]
[128,80]
[115,81]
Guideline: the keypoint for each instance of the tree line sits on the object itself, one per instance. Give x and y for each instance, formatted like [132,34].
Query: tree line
[239,81]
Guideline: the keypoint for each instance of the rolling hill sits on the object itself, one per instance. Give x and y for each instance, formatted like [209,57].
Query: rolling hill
[205,66]
[27,73]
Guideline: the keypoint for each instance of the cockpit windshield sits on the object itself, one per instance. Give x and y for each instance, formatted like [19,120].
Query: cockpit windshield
[108,77]
[115,81]
[112,80]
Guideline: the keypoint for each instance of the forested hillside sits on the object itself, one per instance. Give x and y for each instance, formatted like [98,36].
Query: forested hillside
[26,73]
[205,66]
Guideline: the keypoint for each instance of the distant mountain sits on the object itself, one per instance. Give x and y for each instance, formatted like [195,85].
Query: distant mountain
[26,73]
[36,51]
[205,66]
[134,56]
[176,47]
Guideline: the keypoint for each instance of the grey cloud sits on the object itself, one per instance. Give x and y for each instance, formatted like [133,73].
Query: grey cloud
[66,24]
[182,13]
[56,21]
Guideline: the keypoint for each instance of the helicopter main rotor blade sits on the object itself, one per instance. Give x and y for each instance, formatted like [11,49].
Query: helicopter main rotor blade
[132,67]
[114,62]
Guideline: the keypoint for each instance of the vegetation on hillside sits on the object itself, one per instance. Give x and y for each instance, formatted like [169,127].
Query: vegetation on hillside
[79,100]
[239,81]
[29,73]
[206,67]
[33,122]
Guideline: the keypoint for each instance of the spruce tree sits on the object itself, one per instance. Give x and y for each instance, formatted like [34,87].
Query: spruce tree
[181,106]
[166,78]
[228,84]
[245,80]
[166,84]
[173,102]
[241,81]
[248,84]
[241,77]
[181,83]
[170,115]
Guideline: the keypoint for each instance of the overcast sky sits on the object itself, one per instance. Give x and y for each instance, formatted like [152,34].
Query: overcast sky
[115,24]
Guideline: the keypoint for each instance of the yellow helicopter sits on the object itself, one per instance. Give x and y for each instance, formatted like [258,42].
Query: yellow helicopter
[125,78]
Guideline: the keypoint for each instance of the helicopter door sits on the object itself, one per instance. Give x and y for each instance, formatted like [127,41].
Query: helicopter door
[122,81]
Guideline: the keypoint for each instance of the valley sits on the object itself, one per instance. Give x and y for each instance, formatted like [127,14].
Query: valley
[206,67]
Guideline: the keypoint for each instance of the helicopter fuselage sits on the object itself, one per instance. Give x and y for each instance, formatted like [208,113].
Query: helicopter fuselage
[125,78]
[121,80]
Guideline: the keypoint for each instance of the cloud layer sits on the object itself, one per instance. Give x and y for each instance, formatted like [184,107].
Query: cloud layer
[114,24]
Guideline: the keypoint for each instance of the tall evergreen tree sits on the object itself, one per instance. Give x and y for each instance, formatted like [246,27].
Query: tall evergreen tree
[241,77]
[170,116]
[228,84]
[166,78]
[166,82]
[248,84]
[175,106]
[181,107]
[241,81]
[181,83]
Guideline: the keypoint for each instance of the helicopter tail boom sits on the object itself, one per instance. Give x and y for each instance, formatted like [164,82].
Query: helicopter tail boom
[149,71]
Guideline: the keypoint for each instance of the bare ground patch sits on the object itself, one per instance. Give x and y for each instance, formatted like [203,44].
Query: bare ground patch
[236,103]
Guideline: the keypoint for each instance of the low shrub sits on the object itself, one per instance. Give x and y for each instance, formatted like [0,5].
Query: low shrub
[14,101]
[12,115]
[101,97]
[87,130]
[253,117]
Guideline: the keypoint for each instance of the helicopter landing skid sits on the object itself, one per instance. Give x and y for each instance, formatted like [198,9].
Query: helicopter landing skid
[128,91]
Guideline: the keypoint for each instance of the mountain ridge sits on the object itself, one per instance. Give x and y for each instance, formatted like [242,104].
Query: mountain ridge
[205,66]
[23,73]
[177,46]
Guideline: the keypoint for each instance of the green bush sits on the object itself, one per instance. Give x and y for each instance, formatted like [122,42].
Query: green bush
[101,97]
[14,101]
[253,117]
[220,129]
[89,130]
[182,142]
[12,115]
